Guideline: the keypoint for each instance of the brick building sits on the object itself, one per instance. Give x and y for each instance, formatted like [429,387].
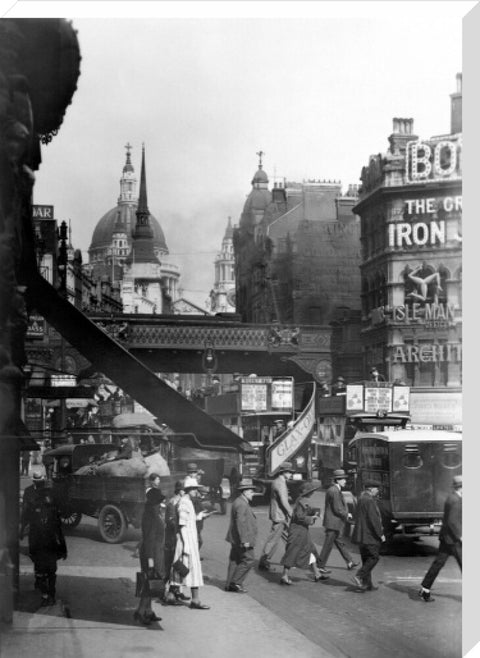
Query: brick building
[297,259]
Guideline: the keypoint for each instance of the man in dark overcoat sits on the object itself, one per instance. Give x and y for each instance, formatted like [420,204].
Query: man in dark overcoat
[334,519]
[46,543]
[242,534]
[368,533]
[450,538]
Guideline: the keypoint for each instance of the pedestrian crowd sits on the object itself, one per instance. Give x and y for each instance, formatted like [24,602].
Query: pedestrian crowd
[169,550]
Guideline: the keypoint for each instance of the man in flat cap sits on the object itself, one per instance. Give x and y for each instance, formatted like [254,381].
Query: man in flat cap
[368,533]
[450,538]
[280,513]
[334,519]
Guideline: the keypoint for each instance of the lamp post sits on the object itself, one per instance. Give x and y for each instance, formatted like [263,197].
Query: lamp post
[62,265]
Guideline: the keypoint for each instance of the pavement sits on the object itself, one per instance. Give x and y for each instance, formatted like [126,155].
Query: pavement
[93,617]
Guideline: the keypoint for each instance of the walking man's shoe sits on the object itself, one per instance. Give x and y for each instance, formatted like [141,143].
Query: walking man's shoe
[324,571]
[425,595]
[234,587]
[352,565]
[358,582]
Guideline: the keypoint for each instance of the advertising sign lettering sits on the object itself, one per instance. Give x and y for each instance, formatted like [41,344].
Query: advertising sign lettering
[36,326]
[282,394]
[63,380]
[42,212]
[419,234]
[435,159]
[378,399]
[292,440]
[254,397]
[427,353]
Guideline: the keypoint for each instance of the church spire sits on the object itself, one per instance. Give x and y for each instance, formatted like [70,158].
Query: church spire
[143,228]
[229,230]
[142,247]
[142,198]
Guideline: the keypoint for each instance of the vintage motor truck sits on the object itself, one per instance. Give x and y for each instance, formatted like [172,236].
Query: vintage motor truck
[116,501]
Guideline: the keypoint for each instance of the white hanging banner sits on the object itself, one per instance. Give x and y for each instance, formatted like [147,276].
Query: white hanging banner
[287,444]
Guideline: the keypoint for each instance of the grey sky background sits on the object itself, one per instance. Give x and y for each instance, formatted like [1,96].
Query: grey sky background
[314,86]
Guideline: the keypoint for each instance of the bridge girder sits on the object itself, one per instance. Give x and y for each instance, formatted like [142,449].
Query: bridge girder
[179,344]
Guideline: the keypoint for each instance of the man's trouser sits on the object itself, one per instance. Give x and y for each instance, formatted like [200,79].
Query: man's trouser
[45,570]
[332,537]
[370,554]
[444,552]
[272,540]
[240,562]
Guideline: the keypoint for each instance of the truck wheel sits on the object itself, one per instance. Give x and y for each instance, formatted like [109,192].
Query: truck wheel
[70,518]
[112,524]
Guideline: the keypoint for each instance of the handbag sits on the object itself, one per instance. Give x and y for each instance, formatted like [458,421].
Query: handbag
[149,584]
[180,568]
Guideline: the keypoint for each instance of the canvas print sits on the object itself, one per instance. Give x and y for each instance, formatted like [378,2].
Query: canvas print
[231,328]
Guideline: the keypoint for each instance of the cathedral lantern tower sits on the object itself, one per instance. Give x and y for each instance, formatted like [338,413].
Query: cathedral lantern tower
[222,296]
[113,235]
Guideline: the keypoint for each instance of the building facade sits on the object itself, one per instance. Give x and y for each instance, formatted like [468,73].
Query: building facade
[297,261]
[410,206]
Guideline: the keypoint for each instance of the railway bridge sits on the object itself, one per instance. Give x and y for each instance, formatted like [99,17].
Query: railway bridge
[197,344]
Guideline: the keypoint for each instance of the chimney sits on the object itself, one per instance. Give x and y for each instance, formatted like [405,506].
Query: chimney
[456,108]
[278,194]
[402,133]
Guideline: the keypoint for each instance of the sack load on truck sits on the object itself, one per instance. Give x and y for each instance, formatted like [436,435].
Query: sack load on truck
[156,464]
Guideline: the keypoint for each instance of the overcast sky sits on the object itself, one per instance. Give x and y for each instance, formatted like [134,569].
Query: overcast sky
[313,86]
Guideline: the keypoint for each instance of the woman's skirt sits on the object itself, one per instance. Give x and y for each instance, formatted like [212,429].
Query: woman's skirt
[299,547]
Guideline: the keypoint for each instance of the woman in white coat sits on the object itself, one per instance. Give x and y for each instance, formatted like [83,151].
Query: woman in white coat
[186,548]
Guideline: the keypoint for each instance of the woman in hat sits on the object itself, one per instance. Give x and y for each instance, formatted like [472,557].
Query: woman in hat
[151,551]
[187,550]
[300,550]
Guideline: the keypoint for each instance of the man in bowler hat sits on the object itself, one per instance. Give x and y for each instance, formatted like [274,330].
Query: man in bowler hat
[241,534]
[280,513]
[450,538]
[368,533]
[334,519]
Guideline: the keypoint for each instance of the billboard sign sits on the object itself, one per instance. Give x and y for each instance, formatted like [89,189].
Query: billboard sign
[378,399]
[259,394]
[36,326]
[282,394]
[254,393]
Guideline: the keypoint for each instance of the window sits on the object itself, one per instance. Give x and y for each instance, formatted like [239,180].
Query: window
[411,457]
[450,456]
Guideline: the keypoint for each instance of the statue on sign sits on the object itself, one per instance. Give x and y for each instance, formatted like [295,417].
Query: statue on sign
[422,285]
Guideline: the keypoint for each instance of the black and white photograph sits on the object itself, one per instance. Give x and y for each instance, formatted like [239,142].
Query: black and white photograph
[231,328]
